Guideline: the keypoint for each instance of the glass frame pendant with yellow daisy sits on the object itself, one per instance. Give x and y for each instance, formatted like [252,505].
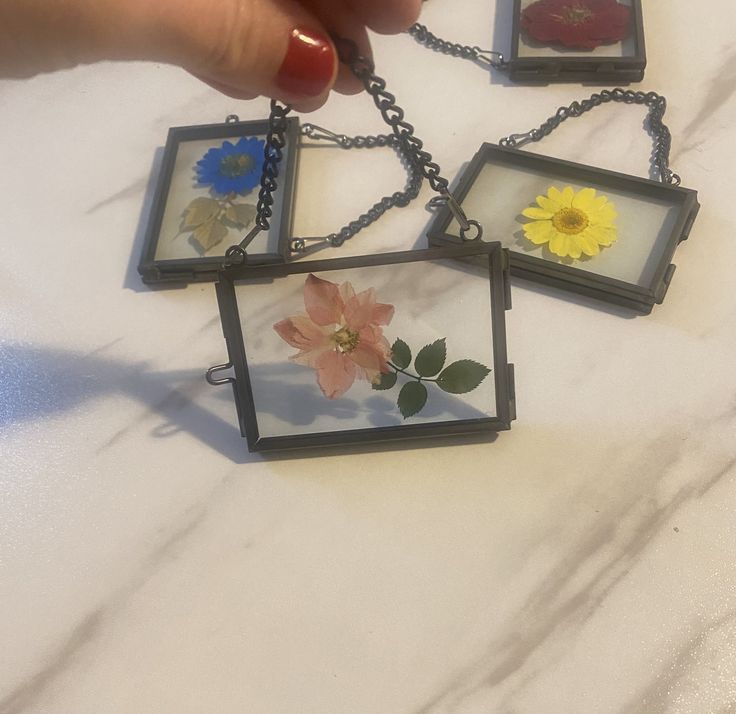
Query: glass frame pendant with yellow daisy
[206,198]
[578,228]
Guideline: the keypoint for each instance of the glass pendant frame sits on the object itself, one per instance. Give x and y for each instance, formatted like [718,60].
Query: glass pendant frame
[282,400]
[171,253]
[635,271]
[535,62]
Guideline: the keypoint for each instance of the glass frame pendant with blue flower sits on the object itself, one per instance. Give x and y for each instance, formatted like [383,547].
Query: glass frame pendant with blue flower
[206,197]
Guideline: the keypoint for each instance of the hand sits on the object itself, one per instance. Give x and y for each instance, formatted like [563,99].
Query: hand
[244,48]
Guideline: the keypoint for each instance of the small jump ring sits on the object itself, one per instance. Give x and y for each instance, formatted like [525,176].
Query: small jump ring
[472,224]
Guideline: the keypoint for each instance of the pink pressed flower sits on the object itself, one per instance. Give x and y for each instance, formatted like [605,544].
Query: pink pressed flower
[340,336]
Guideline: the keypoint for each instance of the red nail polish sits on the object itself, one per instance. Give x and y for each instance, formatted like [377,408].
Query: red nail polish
[308,66]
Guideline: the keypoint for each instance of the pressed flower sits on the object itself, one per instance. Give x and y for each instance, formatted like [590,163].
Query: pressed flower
[579,24]
[571,224]
[340,336]
[232,168]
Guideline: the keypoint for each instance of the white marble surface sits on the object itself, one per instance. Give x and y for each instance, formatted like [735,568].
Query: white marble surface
[584,562]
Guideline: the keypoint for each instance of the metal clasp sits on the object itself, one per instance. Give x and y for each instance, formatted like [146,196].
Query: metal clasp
[489,57]
[447,199]
[307,246]
[518,139]
[319,133]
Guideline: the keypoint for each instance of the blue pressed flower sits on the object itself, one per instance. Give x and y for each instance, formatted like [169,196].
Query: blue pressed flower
[233,168]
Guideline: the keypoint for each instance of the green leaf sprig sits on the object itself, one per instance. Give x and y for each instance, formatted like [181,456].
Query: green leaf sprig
[459,377]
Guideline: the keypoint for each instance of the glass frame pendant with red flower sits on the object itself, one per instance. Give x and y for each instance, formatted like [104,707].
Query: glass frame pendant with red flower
[206,197]
[598,41]
[355,351]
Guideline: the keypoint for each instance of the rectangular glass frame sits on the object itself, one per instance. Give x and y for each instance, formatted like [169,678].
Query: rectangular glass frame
[154,269]
[654,263]
[623,66]
[255,426]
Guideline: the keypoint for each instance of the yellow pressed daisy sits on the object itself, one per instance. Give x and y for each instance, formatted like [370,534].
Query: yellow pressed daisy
[572,224]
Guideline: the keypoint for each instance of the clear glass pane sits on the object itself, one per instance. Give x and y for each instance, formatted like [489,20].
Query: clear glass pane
[643,226]
[217,219]
[577,28]
[419,303]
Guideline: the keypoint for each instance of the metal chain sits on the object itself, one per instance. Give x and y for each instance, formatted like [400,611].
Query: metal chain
[272,156]
[304,246]
[393,115]
[484,57]
[657,128]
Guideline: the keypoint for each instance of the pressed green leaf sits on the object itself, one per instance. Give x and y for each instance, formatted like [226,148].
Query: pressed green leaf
[199,212]
[386,381]
[209,234]
[462,376]
[431,359]
[241,214]
[412,398]
[401,354]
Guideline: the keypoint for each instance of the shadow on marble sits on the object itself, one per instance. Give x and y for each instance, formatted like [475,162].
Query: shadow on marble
[42,382]
[37,383]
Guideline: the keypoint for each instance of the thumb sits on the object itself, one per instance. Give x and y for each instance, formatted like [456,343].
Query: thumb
[246,48]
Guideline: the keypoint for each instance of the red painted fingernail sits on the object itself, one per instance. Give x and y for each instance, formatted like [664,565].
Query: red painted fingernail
[308,66]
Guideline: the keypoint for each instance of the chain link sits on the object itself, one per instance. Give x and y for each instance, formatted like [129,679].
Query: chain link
[656,103]
[484,57]
[393,115]
[272,156]
[418,162]
[398,198]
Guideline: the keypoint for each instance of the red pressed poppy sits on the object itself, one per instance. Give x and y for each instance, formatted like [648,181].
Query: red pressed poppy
[581,24]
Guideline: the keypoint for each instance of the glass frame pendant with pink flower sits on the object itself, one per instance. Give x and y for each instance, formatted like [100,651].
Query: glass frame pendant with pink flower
[206,201]
[598,41]
[355,351]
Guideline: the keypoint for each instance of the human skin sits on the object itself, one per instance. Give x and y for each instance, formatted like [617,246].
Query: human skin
[244,48]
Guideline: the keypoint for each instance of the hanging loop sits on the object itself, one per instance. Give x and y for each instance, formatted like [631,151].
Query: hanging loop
[234,256]
[216,382]
[466,233]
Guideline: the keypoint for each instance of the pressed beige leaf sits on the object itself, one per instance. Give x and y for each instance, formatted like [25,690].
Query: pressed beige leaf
[199,212]
[209,234]
[241,214]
